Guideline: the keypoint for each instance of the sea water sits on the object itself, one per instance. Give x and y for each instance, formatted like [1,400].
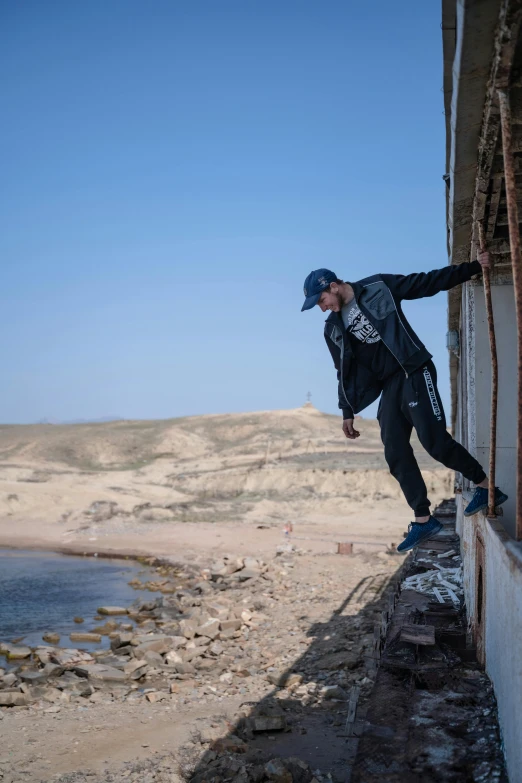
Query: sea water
[44,591]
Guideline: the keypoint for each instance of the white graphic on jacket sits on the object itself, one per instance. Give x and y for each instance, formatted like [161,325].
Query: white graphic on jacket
[360,327]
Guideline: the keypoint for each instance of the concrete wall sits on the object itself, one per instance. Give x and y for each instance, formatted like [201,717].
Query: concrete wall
[499,634]
[502,621]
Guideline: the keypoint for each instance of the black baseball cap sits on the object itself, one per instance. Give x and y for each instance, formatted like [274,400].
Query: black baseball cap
[314,285]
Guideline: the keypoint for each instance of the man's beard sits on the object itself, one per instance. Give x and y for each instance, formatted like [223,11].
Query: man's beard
[340,302]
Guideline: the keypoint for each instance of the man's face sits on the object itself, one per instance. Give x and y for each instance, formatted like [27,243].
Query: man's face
[331,299]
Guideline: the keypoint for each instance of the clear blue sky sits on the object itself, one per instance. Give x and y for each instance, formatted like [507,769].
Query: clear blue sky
[171,173]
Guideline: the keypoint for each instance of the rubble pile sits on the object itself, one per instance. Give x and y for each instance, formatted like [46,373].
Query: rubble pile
[204,639]
[216,766]
[275,637]
[444,583]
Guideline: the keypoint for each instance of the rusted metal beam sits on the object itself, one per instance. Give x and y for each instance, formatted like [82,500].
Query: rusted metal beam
[496,191]
[486,274]
[516,261]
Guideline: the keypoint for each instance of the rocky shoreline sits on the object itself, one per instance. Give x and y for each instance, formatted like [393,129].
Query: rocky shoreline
[212,635]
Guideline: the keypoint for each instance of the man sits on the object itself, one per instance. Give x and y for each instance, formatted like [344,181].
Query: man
[376,352]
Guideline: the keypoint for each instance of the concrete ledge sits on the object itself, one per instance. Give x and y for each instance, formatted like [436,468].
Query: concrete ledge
[499,595]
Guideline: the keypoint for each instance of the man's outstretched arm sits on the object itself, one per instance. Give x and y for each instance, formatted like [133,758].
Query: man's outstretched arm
[421,284]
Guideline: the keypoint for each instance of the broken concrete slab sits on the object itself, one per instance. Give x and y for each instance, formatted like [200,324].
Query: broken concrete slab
[51,638]
[111,610]
[69,658]
[13,699]
[93,638]
[15,653]
[209,629]
[136,669]
[98,671]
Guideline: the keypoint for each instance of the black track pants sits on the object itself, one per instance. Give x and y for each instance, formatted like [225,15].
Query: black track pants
[415,402]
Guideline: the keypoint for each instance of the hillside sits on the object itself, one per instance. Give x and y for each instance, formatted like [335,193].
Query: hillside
[264,467]
[303,435]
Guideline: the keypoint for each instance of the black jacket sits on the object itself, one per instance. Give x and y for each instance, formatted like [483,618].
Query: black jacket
[379,298]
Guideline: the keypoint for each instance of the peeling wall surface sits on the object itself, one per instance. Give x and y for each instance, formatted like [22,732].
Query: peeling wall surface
[501,601]
[502,621]
[505,328]
[482,43]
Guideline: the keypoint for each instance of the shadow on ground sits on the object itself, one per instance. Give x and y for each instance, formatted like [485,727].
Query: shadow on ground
[299,730]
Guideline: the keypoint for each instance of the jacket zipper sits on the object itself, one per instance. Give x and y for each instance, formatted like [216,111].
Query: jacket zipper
[342,378]
[398,362]
[388,347]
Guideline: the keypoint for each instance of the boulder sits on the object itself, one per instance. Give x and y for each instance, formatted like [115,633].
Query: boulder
[218,610]
[275,770]
[51,638]
[120,639]
[143,638]
[191,654]
[52,670]
[156,696]
[188,628]
[49,693]
[235,625]
[107,628]
[136,669]
[228,634]
[15,653]
[160,646]
[206,664]
[185,668]
[75,686]
[172,658]
[154,658]
[293,680]
[300,771]
[108,659]
[247,573]
[33,676]
[44,654]
[9,680]
[178,641]
[268,723]
[13,699]
[218,569]
[278,678]
[333,692]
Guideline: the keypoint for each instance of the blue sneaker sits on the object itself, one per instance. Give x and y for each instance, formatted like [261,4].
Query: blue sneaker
[419,532]
[479,501]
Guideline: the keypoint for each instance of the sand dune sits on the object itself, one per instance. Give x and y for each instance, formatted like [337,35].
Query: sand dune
[114,479]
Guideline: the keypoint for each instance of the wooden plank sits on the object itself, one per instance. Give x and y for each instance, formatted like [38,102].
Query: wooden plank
[352,710]
[352,703]
[418,634]
[496,190]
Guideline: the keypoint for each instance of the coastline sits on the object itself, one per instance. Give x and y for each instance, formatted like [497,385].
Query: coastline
[194,542]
